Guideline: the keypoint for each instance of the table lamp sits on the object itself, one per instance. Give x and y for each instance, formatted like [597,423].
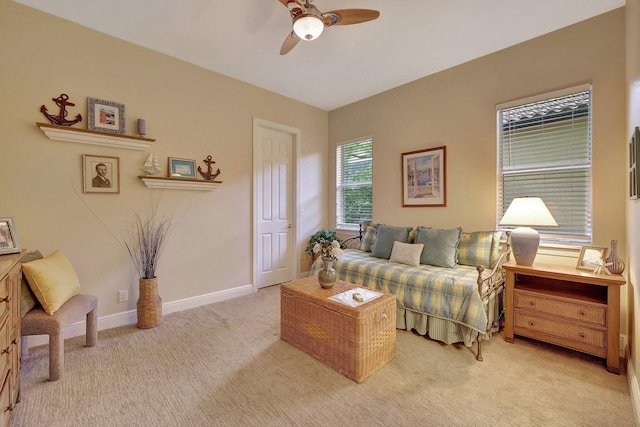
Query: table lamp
[524,213]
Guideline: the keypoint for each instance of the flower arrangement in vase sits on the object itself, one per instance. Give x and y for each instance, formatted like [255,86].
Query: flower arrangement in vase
[329,251]
[319,236]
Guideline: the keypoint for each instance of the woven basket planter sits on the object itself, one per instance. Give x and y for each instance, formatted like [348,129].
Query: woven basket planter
[149,304]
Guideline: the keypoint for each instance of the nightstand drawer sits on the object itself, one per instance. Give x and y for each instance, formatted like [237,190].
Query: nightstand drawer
[569,332]
[595,314]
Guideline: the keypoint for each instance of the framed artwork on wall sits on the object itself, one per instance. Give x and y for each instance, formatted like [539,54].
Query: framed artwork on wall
[634,157]
[105,116]
[9,243]
[182,168]
[100,174]
[423,177]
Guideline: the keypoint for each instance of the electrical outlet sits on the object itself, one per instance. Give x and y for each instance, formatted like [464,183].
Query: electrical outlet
[123,296]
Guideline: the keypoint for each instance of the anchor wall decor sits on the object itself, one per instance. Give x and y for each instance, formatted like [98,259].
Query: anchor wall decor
[208,175]
[61,119]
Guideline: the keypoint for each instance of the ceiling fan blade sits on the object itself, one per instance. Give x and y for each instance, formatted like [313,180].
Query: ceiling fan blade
[349,16]
[289,43]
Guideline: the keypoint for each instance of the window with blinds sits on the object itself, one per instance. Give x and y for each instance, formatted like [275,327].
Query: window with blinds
[354,183]
[544,148]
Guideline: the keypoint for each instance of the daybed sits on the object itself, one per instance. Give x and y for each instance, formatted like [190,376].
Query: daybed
[448,283]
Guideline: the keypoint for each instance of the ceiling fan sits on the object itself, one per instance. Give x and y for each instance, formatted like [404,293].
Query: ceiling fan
[309,22]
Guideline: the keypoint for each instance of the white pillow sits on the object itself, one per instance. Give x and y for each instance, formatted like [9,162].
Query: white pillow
[406,253]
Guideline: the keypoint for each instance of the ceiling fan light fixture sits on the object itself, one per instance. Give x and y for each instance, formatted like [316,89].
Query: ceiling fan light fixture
[308,26]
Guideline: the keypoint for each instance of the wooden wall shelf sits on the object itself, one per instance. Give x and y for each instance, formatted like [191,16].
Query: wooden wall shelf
[179,183]
[86,136]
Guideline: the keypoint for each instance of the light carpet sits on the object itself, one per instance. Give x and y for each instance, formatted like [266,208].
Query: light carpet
[224,365]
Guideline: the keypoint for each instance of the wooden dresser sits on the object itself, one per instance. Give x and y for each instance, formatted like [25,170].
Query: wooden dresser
[566,307]
[10,278]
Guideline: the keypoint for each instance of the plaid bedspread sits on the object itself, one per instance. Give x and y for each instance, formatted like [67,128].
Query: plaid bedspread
[447,293]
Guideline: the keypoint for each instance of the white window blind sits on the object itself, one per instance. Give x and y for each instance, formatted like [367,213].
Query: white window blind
[354,183]
[545,151]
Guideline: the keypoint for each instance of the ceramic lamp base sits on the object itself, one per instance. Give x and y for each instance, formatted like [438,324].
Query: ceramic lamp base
[524,244]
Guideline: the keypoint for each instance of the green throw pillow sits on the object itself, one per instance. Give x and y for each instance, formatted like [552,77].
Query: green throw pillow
[440,246]
[386,235]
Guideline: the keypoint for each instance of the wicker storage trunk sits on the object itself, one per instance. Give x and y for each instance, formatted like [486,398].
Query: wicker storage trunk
[355,341]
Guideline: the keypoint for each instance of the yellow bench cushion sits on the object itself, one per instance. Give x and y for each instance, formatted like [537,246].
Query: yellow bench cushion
[53,280]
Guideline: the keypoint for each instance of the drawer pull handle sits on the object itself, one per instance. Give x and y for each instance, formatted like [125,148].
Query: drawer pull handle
[531,303]
[582,335]
[381,316]
[530,322]
[6,299]
[583,313]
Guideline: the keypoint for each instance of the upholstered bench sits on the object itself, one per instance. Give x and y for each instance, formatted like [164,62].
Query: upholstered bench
[37,322]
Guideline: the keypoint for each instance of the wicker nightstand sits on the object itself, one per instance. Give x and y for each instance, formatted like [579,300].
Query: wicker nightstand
[567,307]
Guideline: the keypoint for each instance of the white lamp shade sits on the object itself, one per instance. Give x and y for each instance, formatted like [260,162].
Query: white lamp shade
[526,212]
[308,27]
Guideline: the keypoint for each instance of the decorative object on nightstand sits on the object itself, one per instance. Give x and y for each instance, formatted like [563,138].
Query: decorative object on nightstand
[592,259]
[61,119]
[617,265]
[524,213]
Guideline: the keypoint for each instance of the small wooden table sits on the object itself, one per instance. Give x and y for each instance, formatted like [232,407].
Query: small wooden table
[566,307]
[355,341]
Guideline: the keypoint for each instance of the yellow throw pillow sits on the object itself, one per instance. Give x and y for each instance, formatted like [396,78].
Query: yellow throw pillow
[53,280]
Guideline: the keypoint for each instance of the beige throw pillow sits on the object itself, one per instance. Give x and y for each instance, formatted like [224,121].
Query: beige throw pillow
[406,253]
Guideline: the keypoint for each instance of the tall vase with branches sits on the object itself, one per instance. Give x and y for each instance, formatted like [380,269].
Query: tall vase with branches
[146,244]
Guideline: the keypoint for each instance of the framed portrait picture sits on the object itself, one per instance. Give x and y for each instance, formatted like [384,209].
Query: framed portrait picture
[105,116]
[591,257]
[423,177]
[9,243]
[100,174]
[182,168]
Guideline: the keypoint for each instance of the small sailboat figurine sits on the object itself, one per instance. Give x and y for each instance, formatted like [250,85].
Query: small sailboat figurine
[151,166]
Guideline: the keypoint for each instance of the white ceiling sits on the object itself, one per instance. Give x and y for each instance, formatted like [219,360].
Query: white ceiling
[242,38]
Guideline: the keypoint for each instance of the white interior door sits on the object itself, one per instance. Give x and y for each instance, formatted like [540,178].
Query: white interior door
[274,232]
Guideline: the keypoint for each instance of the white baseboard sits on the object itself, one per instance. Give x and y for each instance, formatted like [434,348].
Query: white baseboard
[634,388]
[130,317]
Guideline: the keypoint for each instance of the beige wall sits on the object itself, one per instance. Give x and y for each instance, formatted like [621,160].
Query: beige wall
[190,112]
[633,207]
[457,108]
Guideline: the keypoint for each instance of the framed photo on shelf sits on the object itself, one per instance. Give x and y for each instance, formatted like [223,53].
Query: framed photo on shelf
[182,168]
[591,257]
[100,174]
[634,157]
[9,243]
[105,116]
[423,177]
